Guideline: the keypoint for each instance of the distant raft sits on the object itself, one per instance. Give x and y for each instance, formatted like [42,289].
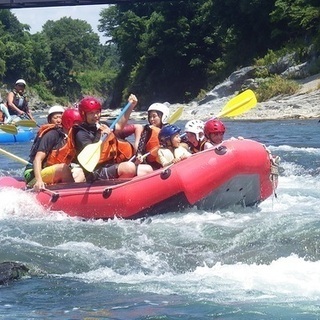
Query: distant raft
[238,172]
[24,135]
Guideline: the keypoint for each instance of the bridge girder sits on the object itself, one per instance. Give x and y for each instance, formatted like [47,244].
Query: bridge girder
[16,4]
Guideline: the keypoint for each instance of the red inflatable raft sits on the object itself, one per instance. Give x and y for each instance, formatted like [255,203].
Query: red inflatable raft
[238,172]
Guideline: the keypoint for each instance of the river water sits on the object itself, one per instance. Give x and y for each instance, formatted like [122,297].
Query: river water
[240,263]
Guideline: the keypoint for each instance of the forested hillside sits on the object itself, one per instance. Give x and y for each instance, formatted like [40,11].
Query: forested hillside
[161,51]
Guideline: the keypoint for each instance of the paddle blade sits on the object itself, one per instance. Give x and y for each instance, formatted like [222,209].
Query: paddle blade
[26,123]
[90,155]
[240,104]
[9,128]
[175,116]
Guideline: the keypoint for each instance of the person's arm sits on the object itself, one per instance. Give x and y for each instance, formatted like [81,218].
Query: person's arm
[138,129]
[37,167]
[12,106]
[166,157]
[124,119]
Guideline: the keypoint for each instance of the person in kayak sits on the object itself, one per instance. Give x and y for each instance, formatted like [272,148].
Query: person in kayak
[17,102]
[170,149]
[158,114]
[214,130]
[52,151]
[113,162]
[194,136]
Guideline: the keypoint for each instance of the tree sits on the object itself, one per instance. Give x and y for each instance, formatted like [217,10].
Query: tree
[74,48]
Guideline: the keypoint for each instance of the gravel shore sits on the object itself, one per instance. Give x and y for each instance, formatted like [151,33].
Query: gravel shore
[302,105]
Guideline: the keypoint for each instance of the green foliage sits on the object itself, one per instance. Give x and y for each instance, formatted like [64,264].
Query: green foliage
[276,85]
[161,51]
[44,93]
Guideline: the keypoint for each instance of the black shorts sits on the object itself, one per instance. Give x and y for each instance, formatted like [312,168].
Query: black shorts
[104,173]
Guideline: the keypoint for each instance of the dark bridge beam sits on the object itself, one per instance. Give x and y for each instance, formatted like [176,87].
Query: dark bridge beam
[16,4]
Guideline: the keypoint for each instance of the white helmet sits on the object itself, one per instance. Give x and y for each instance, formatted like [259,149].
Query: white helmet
[162,108]
[196,127]
[55,109]
[21,81]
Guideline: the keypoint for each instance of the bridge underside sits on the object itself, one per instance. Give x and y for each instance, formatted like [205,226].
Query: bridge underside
[16,4]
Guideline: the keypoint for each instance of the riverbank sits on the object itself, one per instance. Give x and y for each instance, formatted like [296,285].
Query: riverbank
[302,105]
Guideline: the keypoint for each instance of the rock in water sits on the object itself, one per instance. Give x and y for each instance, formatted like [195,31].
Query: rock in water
[11,270]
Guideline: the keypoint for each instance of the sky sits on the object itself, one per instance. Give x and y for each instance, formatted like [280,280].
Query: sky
[37,17]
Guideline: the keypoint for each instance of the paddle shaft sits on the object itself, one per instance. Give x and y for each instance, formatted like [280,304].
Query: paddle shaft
[13,156]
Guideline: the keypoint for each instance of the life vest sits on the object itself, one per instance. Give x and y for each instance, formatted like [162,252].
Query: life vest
[20,102]
[2,116]
[151,144]
[198,148]
[65,154]
[125,150]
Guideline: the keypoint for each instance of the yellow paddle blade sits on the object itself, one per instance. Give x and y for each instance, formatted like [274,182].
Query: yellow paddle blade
[13,156]
[90,155]
[241,103]
[26,123]
[175,116]
[9,128]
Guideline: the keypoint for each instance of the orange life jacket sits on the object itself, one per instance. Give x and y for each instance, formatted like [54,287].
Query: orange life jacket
[65,154]
[152,144]
[125,150]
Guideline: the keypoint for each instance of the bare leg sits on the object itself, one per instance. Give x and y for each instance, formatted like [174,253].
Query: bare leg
[143,169]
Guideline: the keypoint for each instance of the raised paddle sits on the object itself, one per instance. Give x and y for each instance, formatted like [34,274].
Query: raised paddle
[90,155]
[175,116]
[9,128]
[240,104]
[11,155]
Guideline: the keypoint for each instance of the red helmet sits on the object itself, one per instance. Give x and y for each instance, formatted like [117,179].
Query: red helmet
[88,104]
[70,117]
[213,126]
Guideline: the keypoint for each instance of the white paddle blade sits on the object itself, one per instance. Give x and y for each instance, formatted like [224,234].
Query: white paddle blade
[90,155]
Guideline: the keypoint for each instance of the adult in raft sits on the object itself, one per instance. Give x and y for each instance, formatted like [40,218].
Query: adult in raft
[113,162]
[17,102]
[158,114]
[51,152]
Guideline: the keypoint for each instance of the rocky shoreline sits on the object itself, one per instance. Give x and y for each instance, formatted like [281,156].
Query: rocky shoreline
[302,105]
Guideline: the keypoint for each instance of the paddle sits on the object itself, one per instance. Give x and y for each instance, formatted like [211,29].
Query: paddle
[175,116]
[31,122]
[9,128]
[11,155]
[90,155]
[26,123]
[240,104]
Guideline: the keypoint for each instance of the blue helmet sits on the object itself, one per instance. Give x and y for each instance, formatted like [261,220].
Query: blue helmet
[166,133]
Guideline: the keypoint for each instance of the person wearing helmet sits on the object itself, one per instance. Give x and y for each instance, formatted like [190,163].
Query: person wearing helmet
[70,117]
[158,114]
[17,102]
[170,149]
[51,153]
[55,114]
[214,130]
[195,136]
[113,154]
